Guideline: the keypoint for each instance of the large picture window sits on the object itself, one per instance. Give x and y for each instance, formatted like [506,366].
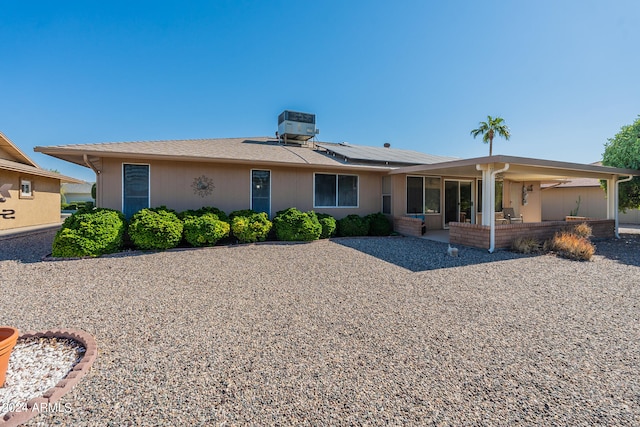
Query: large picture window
[135,188]
[333,190]
[431,195]
[423,195]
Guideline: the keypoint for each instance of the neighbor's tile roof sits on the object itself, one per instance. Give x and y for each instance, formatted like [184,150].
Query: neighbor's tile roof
[575,182]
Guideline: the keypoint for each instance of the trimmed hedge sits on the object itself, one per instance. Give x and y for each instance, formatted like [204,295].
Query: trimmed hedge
[328,224]
[250,227]
[379,224]
[353,225]
[90,233]
[204,230]
[203,211]
[155,229]
[294,225]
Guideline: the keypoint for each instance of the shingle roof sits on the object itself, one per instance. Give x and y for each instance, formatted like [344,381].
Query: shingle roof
[383,154]
[31,170]
[245,150]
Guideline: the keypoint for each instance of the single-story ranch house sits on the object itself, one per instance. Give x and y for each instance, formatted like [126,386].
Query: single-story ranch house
[29,195]
[470,197]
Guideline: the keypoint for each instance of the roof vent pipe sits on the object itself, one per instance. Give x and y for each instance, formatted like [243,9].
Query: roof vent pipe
[387,145]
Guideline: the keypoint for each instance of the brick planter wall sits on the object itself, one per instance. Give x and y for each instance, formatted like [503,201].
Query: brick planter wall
[408,226]
[477,236]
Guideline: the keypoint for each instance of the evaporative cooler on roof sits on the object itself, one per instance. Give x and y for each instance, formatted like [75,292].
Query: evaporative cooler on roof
[296,127]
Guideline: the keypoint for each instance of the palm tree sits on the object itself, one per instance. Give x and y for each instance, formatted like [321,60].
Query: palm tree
[490,128]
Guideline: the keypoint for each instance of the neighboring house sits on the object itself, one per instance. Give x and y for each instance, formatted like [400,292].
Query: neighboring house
[77,192]
[29,195]
[582,197]
[267,174]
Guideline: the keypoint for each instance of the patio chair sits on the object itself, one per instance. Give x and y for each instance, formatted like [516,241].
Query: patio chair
[510,215]
[500,219]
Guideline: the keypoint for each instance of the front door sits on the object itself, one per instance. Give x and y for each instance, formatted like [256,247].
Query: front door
[458,201]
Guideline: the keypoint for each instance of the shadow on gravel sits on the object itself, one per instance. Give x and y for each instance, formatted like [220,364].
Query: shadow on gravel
[28,248]
[420,255]
[625,250]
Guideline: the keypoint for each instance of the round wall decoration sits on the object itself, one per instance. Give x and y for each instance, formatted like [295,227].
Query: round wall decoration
[202,186]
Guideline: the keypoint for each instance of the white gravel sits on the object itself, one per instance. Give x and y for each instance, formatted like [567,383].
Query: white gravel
[35,366]
[382,331]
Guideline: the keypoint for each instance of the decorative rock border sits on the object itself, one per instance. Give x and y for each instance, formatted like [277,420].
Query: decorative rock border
[52,395]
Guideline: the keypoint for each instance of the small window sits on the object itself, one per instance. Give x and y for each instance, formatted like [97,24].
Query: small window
[331,191]
[386,195]
[26,190]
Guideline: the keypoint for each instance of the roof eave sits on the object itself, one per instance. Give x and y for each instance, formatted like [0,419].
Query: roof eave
[76,156]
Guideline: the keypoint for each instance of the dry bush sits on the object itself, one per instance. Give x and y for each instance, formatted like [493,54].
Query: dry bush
[572,246]
[583,230]
[526,245]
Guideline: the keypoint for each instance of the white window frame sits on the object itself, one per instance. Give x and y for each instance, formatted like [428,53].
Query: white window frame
[251,187]
[389,194]
[26,194]
[357,205]
[148,183]
[424,177]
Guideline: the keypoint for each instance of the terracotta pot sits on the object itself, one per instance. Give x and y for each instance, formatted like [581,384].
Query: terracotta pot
[8,338]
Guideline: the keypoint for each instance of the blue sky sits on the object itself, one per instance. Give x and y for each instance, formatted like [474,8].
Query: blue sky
[418,74]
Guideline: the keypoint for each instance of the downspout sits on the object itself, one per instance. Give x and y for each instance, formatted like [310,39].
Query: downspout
[616,193]
[89,164]
[492,208]
[97,172]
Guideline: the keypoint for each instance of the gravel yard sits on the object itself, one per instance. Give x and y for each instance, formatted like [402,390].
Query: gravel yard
[370,331]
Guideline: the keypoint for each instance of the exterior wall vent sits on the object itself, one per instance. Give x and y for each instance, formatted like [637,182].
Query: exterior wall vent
[296,127]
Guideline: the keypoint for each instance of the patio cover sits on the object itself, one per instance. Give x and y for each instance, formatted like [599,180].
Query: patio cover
[523,169]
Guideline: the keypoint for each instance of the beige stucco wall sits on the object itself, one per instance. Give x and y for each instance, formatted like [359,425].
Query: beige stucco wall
[559,202]
[290,187]
[532,211]
[42,208]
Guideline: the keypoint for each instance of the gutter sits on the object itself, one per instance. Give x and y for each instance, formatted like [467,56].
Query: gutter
[85,157]
[617,192]
[492,229]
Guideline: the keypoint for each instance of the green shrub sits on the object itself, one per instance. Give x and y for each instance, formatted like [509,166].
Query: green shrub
[328,224]
[155,229]
[242,212]
[204,230]
[353,225]
[379,224]
[294,225]
[90,234]
[250,228]
[205,210]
